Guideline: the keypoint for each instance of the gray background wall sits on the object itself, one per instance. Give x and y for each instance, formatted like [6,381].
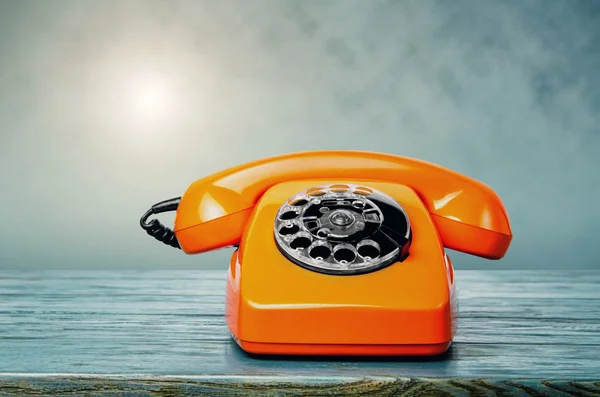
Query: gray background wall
[107,107]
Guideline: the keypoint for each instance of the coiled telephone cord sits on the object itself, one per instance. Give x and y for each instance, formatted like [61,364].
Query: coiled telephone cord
[156,229]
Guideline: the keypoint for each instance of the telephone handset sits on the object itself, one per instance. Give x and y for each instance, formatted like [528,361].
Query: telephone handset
[328,241]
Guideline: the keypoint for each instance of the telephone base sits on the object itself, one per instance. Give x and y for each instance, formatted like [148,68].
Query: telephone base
[307,349]
[274,306]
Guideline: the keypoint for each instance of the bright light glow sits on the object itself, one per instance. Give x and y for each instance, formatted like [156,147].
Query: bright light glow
[150,99]
[145,106]
[146,103]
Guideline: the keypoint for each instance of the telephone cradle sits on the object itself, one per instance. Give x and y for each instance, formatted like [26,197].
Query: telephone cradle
[338,252]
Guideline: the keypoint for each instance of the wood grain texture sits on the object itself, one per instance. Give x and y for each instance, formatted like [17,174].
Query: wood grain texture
[166,386]
[63,333]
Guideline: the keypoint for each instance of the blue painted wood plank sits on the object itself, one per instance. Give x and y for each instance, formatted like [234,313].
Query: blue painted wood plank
[513,325]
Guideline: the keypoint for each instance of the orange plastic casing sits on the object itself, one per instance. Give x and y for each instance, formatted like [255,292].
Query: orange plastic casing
[468,214]
[274,306]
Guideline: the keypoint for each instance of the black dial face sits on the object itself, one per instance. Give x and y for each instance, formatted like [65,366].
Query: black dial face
[342,229]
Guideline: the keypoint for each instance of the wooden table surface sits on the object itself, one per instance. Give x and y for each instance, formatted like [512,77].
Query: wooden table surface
[163,333]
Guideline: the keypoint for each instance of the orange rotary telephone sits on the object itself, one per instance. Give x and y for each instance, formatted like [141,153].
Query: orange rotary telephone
[338,252]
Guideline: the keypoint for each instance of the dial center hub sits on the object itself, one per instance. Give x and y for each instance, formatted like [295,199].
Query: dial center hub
[341,217]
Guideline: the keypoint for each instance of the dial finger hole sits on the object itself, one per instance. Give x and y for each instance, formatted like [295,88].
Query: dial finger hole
[316,191]
[339,188]
[288,230]
[319,252]
[301,241]
[368,249]
[324,209]
[344,253]
[363,191]
[298,202]
[289,215]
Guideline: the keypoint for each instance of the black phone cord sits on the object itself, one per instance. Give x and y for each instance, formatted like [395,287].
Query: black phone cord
[156,229]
